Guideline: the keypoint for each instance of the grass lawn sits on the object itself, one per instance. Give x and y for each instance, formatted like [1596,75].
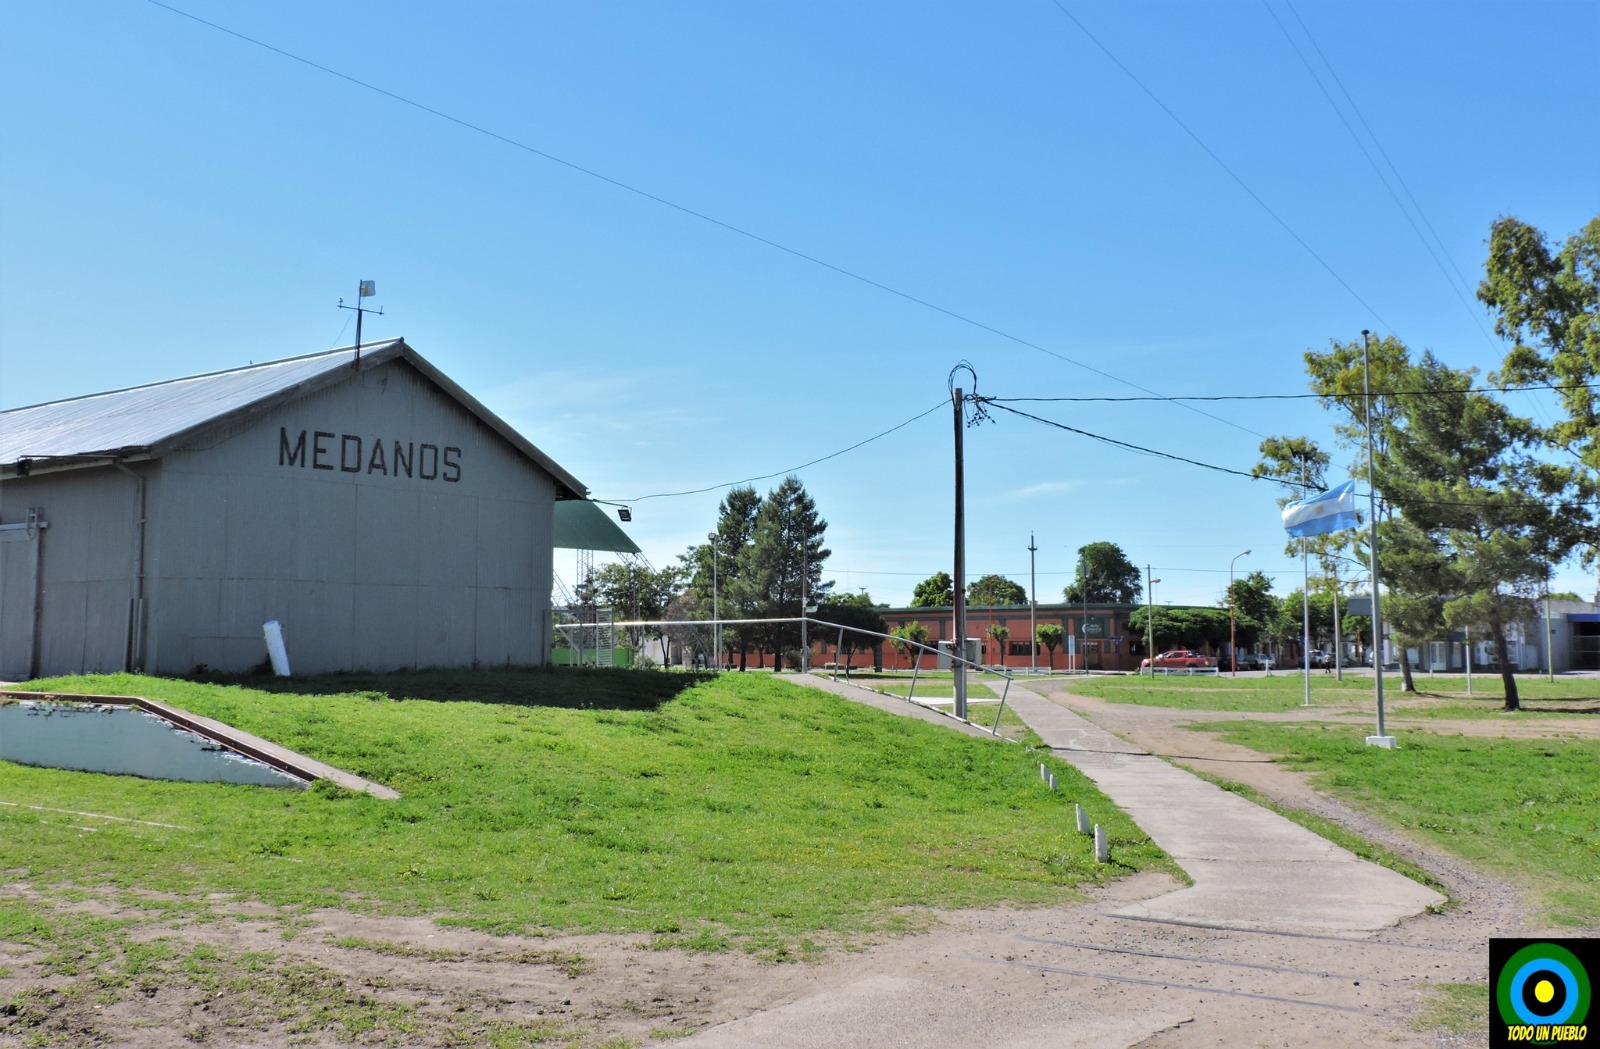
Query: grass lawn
[1443,695]
[734,810]
[1279,692]
[1526,810]
[931,689]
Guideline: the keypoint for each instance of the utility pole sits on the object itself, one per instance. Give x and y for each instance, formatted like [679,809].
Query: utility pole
[958,667]
[1382,739]
[1233,634]
[1549,656]
[1033,610]
[1305,595]
[1083,642]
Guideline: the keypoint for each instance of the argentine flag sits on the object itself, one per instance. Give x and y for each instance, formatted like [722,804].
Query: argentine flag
[1322,513]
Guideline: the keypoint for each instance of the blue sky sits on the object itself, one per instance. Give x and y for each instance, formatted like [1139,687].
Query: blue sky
[175,199]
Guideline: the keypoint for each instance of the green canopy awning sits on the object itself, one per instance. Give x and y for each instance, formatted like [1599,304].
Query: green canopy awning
[583,525]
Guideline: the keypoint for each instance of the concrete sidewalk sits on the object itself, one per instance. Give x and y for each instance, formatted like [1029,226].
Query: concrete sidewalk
[1252,869]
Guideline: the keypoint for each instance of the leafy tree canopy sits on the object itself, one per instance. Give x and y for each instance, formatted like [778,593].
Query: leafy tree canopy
[1104,574]
[908,637]
[634,590]
[1196,628]
[854,612]
[936,591]
[1252,599]
[996,590]
[1548,304]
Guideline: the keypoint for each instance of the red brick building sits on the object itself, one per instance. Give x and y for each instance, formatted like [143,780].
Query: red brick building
[1103,641]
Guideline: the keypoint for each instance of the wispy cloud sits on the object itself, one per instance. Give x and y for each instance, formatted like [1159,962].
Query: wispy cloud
[1048,488]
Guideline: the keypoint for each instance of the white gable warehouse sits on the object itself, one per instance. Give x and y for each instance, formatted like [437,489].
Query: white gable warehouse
[367,503]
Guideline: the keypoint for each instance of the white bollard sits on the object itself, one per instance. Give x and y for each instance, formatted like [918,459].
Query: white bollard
[1052,781]
[275,650]
[1102,852]
[1083,818]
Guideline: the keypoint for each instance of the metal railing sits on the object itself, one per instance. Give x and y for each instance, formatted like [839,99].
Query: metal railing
[840,631]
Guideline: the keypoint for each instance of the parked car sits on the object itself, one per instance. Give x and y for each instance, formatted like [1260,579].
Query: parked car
[1321,659]
[1180,659]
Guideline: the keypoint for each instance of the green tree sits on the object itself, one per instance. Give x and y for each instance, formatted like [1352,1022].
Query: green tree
[782,564]
[1467,474]
[1000,633]
[1419,576]
[936,591]
[1050,635]
[1197,628]
[995,590]
[714,568]
[636,591]
[1255,609]
[1548,305]
[1105,573]
[1339,378]
[908,639]
[854,612]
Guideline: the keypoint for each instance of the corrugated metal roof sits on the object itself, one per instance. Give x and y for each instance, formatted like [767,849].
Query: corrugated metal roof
[140,418]
[582,525]
[143,421]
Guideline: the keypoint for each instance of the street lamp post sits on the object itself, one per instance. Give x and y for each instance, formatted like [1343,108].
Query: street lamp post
[716,624]
[1233,643]
[805,600]
[1150,619]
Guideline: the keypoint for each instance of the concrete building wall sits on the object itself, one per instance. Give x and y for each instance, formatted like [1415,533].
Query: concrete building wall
[380,522]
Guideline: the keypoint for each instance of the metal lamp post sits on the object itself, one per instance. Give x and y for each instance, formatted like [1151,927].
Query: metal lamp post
[716,625]
[1233,642]
[1150,619]
[805,599]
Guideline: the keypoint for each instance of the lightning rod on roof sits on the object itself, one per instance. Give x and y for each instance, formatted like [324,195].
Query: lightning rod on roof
[364,290]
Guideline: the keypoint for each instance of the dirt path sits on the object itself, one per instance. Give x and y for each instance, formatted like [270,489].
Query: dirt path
[1067,976]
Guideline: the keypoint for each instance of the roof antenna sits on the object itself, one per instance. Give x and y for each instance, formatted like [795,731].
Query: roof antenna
[366,290]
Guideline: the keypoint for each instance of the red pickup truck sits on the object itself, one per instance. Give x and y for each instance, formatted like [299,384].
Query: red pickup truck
[1180,659]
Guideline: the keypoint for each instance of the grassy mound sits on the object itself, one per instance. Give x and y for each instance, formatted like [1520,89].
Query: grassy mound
[706,811]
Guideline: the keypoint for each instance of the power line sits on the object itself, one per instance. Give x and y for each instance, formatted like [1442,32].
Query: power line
[792,469]
[1440,392]
[1125,445]
[1361,145]
[1378,143]
[683,209]
[1464,283]
[1207,150]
